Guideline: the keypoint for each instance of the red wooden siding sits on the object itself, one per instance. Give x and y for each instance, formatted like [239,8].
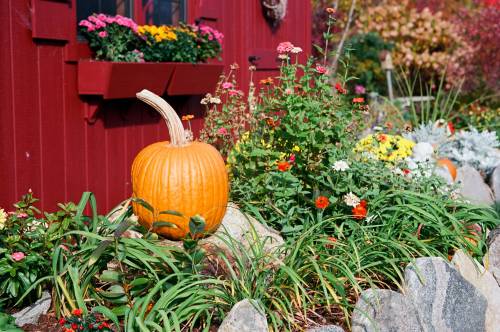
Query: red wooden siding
[46,143]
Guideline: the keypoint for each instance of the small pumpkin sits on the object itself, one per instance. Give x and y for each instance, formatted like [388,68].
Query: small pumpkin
[449,165]
[187,177]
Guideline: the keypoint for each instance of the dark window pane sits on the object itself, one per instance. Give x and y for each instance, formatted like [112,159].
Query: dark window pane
[164,11]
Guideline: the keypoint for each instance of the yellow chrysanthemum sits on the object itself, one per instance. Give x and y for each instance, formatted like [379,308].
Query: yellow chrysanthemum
[390,148]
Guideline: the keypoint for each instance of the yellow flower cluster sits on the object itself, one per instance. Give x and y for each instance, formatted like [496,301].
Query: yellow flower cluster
[159,33]
[3,218]
[390,148]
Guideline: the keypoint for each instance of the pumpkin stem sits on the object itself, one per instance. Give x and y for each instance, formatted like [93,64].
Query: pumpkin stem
[174,124]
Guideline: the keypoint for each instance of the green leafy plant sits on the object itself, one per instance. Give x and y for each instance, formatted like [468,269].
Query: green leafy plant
[84,323]
[7,323]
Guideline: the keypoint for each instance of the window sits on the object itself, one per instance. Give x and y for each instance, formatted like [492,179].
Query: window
[164,11]
[85,8]
[154,11]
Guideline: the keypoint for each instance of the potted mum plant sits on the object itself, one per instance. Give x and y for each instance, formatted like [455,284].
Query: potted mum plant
[129,57]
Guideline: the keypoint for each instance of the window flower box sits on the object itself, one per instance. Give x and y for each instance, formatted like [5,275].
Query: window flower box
[194,79]
[116,80]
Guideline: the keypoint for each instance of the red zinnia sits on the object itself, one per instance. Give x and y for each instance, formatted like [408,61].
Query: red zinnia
[358,100]
[62,321]
[340,89]
[283,166]
[77,312]
[322,202]
[451,127]
[74,326]
[359,212]
[406,171]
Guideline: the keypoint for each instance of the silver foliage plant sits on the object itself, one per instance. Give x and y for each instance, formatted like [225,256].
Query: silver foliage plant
[477,149]
[429,133]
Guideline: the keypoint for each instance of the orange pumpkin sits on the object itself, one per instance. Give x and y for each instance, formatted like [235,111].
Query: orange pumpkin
[187,177]
[449,165]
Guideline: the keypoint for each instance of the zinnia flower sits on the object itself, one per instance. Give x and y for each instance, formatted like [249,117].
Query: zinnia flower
[359,89]
[292,158]
[341,165]
[222,131]
[283,166]
[340,89]
[322,202]
[18,256]
[359,211]
[321,69]
[77,312]
[285,47]
[227,85]
[103,34]
[351,200]
[358,100]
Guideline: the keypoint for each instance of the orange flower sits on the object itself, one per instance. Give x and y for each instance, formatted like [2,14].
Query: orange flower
[77,312]
[322,202]
[382,138]
[284,166]
[358,100]
[267,81]
[187,117]
[359,211]
[330,10]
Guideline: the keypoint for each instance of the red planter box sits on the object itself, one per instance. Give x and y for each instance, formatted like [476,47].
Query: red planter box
[194,79]
[114,80]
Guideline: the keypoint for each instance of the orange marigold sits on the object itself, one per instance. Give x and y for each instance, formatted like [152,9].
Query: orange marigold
[322,202]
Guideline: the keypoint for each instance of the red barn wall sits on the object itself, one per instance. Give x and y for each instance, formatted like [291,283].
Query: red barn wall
[46,143]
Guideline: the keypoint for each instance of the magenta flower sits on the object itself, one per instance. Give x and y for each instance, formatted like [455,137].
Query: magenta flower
[359,89]
[222,131]
[103,34]
[227,85]
[18,256]
[321,69]
[292,159]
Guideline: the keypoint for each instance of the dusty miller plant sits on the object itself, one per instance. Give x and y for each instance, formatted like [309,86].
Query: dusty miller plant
[478,149]
[429,133]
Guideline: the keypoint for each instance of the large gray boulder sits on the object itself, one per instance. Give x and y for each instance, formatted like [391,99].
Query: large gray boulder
[384,310]
[472,186]
[245,316]
[485,282]
[492,258]
[239,228]
[31,314]
[495,183]
[326,328]
[445,300]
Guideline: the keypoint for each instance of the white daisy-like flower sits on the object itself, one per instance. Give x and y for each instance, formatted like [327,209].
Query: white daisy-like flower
[340,165]
[215,100]
[283,57]
[296,50]
[351,200]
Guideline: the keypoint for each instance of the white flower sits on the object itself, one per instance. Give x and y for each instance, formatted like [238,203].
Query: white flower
[455,194]
[351,200]
[283,56]
[215,100]
[3,218]
[340,165]
[296,50]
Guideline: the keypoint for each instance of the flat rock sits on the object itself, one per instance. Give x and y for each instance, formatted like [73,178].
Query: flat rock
[244,317]
[384,310]
[445,300]
[495,183]
[326,328]
[485,282]
[238,227]
[472,186]
[492,258]
[31,314]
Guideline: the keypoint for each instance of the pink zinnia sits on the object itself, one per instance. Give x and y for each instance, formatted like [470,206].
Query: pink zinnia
[227,85]
[22,215]
[103,34]
[292,159]
[321,69]
[359,89]
[18,256]
[233,92]
[222,131]
[285,47]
